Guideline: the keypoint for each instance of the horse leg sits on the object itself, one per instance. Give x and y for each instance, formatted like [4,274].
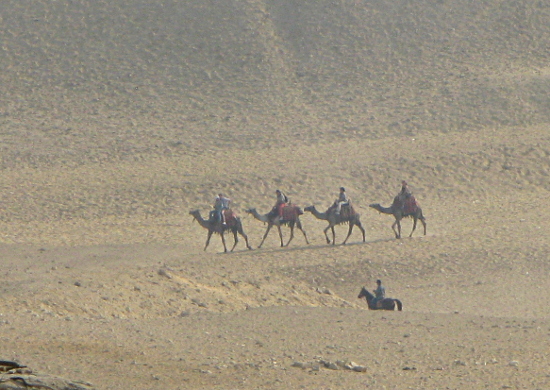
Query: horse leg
[265,235]
[299,225]
[208,238]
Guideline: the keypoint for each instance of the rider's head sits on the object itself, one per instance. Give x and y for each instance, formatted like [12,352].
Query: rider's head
[277,191]
[378,282]
[342,189]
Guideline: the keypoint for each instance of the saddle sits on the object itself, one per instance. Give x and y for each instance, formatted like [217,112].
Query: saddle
[290,212]
[347,210]
[409,205]
[230,217]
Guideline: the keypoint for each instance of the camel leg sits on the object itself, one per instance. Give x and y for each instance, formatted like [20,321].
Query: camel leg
[423,223]
[281,235]
[398,231]
[236,240]
[291,235]
[223,241]
[326,235]
[415,220]
[349,233]
[333,235]
[265,235]
[208,238]
[242,233]
[299,224]
[362,230]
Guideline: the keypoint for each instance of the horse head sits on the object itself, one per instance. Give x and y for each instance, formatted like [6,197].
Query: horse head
[364,293]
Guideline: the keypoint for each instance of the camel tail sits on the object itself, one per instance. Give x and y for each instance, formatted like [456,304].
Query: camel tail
[399,305]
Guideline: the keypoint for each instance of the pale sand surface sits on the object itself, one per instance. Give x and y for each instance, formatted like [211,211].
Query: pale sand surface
[118,118]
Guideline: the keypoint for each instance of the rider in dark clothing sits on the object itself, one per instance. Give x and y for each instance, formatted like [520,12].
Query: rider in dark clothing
[404,194]
[379,293]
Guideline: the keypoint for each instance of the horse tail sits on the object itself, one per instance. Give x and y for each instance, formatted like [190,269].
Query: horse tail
[399,305]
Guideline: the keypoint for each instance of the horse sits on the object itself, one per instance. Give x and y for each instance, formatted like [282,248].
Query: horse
[385,304]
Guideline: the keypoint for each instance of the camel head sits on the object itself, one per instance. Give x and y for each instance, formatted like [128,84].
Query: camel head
[250,211]
[195,213]
[309,208]
[381,209]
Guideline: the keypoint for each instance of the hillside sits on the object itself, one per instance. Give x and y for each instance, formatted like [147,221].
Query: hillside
[137,78]
[118,118]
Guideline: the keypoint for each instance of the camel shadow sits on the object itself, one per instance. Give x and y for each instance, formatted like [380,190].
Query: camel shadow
[303,248]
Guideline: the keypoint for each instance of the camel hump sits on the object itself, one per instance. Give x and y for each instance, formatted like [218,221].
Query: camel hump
[230,215]
[411,205]
[291,212]
[347,210]
[397,203]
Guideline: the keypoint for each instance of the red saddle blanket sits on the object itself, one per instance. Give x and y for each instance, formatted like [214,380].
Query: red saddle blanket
[291,212]
[409,205]
[230,216]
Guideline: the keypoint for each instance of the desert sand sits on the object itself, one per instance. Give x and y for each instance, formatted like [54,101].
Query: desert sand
[118,118]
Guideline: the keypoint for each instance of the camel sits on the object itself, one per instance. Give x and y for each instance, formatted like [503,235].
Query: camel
[398,213]
[234,224]
[334,219]
[291,217]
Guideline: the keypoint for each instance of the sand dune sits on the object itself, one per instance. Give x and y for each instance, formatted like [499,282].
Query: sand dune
[118,118]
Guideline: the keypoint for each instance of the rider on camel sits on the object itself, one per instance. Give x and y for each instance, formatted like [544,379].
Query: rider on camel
[343,199]
[404,194]
[379,293]
[282,200]
[221,203]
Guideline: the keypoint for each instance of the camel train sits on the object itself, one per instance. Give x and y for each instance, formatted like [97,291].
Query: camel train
[286,214]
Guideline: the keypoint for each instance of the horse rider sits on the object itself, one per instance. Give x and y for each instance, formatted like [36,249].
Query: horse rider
[404,194]
[343,199]
[221,203]
[282,200]
[379,293]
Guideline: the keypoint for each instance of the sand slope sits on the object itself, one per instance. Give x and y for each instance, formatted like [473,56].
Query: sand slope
[118,118]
